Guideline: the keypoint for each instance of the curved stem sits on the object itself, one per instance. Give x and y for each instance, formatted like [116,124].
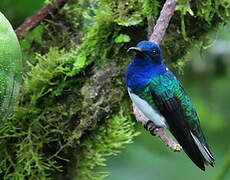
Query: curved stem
[31,22]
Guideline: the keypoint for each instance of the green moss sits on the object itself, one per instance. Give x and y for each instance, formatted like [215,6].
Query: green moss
[192,23]
[41,119]
[105,141]
[150,7]
[73,109]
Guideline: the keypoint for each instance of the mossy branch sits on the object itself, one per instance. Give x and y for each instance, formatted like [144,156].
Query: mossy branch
[33,21]
[157,35]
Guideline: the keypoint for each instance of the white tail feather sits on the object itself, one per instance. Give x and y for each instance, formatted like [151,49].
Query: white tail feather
[204,151]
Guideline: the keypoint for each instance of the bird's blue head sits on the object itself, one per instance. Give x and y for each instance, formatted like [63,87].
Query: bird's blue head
[147,50]
[147,64]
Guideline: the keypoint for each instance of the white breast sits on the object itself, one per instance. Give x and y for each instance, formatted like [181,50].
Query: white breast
[148,111]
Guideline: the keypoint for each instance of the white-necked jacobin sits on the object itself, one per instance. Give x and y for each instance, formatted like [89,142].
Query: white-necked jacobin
[156,91]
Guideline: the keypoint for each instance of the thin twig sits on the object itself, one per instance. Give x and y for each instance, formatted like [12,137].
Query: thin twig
[157,35]
[33,21]
[163,21]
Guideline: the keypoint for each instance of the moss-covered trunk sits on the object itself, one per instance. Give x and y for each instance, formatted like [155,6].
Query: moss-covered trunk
[73,109]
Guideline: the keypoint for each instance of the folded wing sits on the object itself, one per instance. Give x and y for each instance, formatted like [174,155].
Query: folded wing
[173,103]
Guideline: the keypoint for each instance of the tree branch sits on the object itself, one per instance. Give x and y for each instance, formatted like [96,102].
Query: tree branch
[157,35]
[163,21]
[33,21]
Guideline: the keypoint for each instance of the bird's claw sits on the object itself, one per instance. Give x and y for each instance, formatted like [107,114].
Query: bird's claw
[150,126]
[146,125]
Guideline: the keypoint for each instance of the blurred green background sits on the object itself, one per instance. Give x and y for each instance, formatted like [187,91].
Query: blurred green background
[206,79]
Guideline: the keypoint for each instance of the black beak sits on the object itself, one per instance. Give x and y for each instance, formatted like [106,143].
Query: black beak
[136,49]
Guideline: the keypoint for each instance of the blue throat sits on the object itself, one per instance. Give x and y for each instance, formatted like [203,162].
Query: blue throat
[141,70]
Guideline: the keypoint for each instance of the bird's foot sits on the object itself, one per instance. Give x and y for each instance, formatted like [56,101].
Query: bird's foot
[150,126]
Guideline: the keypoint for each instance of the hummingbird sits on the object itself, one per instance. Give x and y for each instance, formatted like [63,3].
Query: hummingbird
[159,95]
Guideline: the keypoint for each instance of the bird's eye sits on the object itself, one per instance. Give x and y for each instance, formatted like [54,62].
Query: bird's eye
[154,52]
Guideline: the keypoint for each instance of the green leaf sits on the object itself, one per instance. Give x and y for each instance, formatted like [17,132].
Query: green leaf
[122,38]
[10,67]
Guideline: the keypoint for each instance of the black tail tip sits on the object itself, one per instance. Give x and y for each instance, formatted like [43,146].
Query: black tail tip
[202,167]
[212,163]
